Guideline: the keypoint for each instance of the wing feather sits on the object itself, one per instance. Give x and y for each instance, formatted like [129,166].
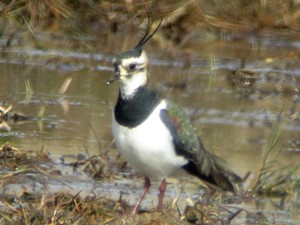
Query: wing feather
[207,166]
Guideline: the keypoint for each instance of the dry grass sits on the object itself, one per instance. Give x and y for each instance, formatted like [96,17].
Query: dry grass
[182,19]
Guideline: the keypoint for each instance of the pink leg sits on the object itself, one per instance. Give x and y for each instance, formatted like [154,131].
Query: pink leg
[162,189]
[146,189]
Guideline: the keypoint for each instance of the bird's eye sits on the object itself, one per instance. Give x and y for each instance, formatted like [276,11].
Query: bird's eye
[132,66]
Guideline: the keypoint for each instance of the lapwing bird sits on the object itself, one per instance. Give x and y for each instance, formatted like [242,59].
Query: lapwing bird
[154,134]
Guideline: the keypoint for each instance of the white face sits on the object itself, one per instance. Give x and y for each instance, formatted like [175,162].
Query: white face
[132,73]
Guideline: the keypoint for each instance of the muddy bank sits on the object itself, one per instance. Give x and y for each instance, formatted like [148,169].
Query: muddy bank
[37,190]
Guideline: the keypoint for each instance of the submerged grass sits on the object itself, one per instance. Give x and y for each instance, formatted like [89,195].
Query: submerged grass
[274,179]
[267,163]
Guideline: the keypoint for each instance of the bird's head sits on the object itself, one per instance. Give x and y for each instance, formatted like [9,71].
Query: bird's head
[131,66]
[131,70]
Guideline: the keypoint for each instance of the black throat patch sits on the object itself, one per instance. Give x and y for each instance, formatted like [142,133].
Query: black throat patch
[132,112]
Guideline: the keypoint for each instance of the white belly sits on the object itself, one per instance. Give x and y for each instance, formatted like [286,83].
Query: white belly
[149,147]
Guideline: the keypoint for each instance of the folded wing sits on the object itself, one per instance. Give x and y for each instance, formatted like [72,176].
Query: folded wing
[203,164]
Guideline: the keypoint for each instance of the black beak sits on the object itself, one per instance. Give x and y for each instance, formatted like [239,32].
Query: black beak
[112,79]
[115,77]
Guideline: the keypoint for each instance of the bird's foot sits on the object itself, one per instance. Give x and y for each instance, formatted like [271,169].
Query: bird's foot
[146,189]
[162,189]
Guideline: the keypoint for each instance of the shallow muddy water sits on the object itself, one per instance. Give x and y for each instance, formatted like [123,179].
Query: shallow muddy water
[234,113]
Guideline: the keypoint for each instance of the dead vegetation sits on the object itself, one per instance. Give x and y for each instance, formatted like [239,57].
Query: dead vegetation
[180,17]
[30,206]
[8,115]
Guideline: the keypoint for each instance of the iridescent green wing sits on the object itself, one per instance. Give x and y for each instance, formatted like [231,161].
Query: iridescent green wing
[184,135]
[207,166]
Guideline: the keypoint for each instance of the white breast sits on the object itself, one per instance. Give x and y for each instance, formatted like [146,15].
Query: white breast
[148,147]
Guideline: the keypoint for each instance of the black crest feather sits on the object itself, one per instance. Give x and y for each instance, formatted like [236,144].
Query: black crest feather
[147,36]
